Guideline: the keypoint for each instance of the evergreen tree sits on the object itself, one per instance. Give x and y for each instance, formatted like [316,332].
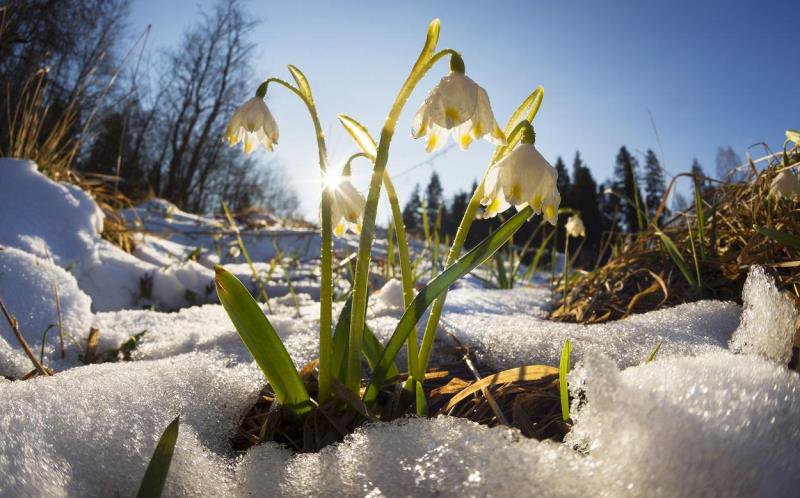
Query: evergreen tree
[699,176]
[412,210]
[434,196]
[626,181]
[586,200]
[456,211]
[654,183]
[563,183]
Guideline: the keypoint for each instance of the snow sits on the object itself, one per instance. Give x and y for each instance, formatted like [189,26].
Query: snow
[508,328]
[768,319]
[27,286]
[90,431]
[714,414]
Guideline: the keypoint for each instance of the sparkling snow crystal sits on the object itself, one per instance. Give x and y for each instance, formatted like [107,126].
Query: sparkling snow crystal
[768,319]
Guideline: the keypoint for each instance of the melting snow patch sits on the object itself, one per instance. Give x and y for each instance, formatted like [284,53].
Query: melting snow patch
[768,319]
[27,286]
[90,431]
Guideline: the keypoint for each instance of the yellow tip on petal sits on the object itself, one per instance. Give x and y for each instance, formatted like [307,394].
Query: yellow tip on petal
[432,141]
[465,141]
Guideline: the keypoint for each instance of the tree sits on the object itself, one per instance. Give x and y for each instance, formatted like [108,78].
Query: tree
[626,172]
[654,183]
[585,199]
[458,206]
[726,163]
[563,183]
[413,209]
[699,176]
[434,196]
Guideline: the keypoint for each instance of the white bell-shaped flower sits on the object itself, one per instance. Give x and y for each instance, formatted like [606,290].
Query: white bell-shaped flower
[522,178]
[460,106]
[785,185]
[574,227]
[347,207]
[253,124]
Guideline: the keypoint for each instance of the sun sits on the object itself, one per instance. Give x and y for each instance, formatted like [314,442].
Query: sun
[332,180]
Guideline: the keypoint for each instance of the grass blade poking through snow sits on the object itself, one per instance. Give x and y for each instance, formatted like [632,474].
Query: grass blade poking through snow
[262,341]
[434,289]
[156,474]
[563,369]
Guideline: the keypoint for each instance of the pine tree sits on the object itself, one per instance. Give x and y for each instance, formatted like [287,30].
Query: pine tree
[412,210]
[585,199]
[699,176]
[455,212]
[434,196]
[626,181]
[563,183]
[727,161]
[654,183]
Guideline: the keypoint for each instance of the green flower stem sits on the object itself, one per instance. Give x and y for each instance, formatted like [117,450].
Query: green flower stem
[566,268]
[361,280]
[461,236]
[402,245]
[438,305]
[326,277]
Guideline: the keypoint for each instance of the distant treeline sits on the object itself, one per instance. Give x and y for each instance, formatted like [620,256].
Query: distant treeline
[606,208]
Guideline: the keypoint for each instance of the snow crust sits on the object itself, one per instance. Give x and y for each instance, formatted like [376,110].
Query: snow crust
[768,319]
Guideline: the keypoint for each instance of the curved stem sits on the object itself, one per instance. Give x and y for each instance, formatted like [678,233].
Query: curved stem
[370,211]
[326,277]
[403,254]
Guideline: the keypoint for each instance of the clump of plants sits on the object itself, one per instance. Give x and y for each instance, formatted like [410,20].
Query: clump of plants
[332,395]
[703,252]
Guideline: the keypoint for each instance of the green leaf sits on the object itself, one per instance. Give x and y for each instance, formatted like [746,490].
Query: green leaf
[302,82]
[654,352]
[421,401]
[434,289]
[431,40]
[563,369]
[360,135]
[262,341]
[701,218]
[793,135]
[370,346]
[502,278]
[785,238]
[156,474]
[676,256]
[526,111]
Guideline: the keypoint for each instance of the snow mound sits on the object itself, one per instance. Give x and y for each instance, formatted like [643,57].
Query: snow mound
[768,319]
[91,431]
[27,286]
[61,221]
[717,424]
[391,295]
[413,457]
[509,328]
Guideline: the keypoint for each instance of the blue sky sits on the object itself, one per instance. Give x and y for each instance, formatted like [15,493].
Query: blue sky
[711,74]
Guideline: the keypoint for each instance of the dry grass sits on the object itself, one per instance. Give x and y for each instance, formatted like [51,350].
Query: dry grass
[642,276]
[532,406]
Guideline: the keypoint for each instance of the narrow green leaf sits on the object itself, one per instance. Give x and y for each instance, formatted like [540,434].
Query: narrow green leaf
[676,256]
[434,289]
[563,369]
[701,219]
[422,401]
[371,346]
[360,135]
[302,82]
[156,474]
[654,352]
[262,341]
[431,40]
[785,238]
[502,278]
[527,110]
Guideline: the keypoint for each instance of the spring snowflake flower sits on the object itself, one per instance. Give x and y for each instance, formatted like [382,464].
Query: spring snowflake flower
[347,207]
[521,178]
[575,227]
[786,184]
[253,124]
[458,105]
